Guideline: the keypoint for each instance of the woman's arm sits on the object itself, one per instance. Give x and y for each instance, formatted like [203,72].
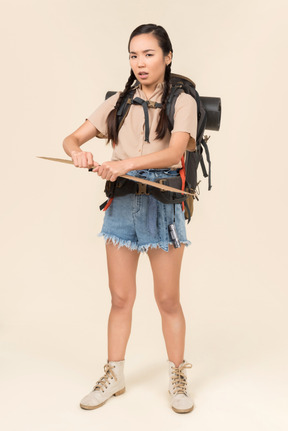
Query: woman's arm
[72,143]
[160,159]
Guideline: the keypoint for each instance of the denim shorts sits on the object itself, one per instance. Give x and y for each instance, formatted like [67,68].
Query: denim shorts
[140,222]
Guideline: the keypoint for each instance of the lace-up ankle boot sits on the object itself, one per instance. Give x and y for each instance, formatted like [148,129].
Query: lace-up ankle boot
[181,402]
[112,383]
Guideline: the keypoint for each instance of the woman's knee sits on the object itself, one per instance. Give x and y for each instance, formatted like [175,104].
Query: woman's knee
[168,304]
[123,299]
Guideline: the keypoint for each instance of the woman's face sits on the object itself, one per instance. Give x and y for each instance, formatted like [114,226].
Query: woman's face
[147,60]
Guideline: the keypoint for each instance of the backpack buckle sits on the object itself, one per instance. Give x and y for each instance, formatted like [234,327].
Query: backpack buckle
[163,182]
[151,104]
[142,189]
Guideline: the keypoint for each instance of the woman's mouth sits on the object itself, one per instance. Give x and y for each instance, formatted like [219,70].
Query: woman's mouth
[143,75]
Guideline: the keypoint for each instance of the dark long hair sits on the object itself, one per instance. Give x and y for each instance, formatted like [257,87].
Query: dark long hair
[166,46]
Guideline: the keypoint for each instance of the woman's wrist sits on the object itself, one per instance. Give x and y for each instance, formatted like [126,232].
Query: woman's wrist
[128,165]
[71,145]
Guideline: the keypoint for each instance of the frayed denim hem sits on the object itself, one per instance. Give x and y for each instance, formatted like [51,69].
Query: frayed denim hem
[134,246]
[120,242]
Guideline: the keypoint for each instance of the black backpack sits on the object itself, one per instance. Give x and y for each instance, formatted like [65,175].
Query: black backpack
[208,113]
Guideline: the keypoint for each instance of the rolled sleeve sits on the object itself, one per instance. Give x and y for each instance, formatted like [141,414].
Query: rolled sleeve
[185,118]
[99,116]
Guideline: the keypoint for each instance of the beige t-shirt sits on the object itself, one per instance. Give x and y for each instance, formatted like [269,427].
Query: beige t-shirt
[131,137]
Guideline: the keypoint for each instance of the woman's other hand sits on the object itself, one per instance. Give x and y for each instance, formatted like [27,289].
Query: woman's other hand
[111,170]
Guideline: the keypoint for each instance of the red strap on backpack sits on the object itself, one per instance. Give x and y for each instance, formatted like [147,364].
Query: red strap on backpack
[182,173]
[108,204]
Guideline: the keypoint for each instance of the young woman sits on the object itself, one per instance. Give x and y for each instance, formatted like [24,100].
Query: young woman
[137,223]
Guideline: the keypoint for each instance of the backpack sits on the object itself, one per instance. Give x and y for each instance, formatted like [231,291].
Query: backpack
[208,117]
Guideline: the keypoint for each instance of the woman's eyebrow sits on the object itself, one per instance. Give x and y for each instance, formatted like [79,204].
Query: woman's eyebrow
[146,50]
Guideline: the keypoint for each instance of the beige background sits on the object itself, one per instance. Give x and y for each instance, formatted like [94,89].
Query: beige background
[58,60]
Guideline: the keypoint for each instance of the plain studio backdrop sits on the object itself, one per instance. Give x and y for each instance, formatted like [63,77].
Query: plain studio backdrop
[58,60]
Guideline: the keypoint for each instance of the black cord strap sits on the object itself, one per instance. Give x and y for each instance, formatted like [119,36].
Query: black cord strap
[146,104]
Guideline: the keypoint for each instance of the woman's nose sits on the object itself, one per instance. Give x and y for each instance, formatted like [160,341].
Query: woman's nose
[141,61]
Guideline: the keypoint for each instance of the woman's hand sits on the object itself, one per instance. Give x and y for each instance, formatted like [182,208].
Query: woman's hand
[83,159]
[111,170]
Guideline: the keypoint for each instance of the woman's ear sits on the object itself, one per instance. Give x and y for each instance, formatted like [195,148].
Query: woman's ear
[168,58]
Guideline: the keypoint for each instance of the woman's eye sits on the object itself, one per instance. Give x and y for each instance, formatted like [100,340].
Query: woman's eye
[134,56]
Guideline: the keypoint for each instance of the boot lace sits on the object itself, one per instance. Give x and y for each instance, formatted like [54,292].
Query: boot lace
[101,383]
[179,380]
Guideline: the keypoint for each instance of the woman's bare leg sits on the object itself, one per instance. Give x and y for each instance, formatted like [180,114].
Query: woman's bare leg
[166,273]
[122,266]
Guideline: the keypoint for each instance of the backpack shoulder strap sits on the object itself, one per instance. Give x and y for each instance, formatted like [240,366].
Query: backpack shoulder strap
[124,108]
[170,106]
[180,84]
